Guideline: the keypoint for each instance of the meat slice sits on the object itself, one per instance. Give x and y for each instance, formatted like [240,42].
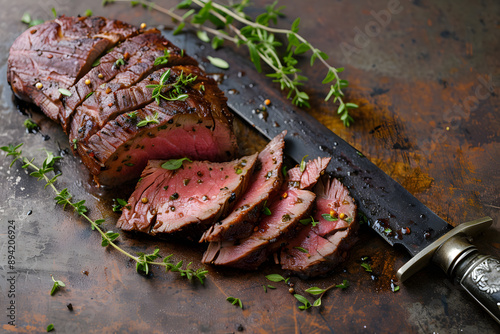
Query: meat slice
[266,180]
[55,54]
[272,231]
[199,127]
[123,66]
[307,178]
[318,249]
[186,200]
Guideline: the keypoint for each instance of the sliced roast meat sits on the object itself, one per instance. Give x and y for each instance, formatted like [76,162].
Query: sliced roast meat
[54,55]
[273,230]
[266,180]
[186,200]
[307,178]
[199,127]
[318,249]
[123,66]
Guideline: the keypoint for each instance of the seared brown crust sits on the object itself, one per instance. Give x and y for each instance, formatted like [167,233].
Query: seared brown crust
[56,54]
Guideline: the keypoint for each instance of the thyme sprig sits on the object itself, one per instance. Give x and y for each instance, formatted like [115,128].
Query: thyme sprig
[222,22]
[64,198]
[176,89]
[318,291]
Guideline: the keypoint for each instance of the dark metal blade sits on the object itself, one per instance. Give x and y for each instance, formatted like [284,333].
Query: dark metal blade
[386,204]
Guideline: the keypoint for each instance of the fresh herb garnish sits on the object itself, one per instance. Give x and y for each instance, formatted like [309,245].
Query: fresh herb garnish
[149,120]
[64,92]
[119,204]
[88,95]
[26,18]
[87,13]
[65,199]
[235,301]
[266,210]
[217,62]
[318,291]
[203,36]
[30,125]
[176,89]
[54,12]
[174,164]
[235,26]
[328,217]
[119,62]
[309,220]
[367,266]
[303,250]
[96,62]
[303,164]
[50,327]
[162,60]
[56,286]
[275,278]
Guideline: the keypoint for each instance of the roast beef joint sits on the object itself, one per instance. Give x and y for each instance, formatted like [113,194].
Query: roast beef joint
[131,101]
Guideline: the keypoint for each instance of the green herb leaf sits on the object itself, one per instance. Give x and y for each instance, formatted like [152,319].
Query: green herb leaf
[109,237]
[317,302]
[217,62]
[96,62]
[235,301]
[54,12]
[306,304]
[87,13]
[30,125]
[56,286]
[367,267]
[149,120]
[50,328]
[275,278]
[396,288]
[64,92]
[26,18]
[174,164]
[315,290]
[328,217]
[203,36]
[303,164]
[344,285]
[119,204]
[303,250]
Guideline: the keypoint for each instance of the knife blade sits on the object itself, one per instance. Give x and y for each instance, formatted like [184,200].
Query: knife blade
[391,211]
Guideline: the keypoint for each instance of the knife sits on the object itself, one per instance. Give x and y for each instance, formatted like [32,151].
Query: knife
[386,204]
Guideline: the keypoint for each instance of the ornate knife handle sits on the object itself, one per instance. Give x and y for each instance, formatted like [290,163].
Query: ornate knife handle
[478,274]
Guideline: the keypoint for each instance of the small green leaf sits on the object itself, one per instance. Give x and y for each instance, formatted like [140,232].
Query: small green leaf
[306,304]
[56,286]
[30,125]
[184,4]
[203,36]
[396,288]
[344,285]
[315,290]
[367,267]
[87,13]
[220,63]
[302,48]
[330,76]
[295,25]
[266,211]
[179,28]
[64,92]
[54,12]
[50,328]
[303,250]
[164,77]
[109,237]
[328,217]
[303,164]
[26,18]
[317,302]
[235,301]
[284,171]
[275,278]
[174,164]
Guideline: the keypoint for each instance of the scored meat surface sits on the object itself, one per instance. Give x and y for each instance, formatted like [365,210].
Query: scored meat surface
[318,249]
[94,76]
[56,54]
[186,200]
[266,180]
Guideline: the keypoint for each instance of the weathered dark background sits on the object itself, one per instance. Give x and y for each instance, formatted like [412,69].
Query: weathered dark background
[429,59]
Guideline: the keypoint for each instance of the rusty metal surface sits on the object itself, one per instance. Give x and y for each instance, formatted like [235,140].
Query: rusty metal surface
[428,59]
